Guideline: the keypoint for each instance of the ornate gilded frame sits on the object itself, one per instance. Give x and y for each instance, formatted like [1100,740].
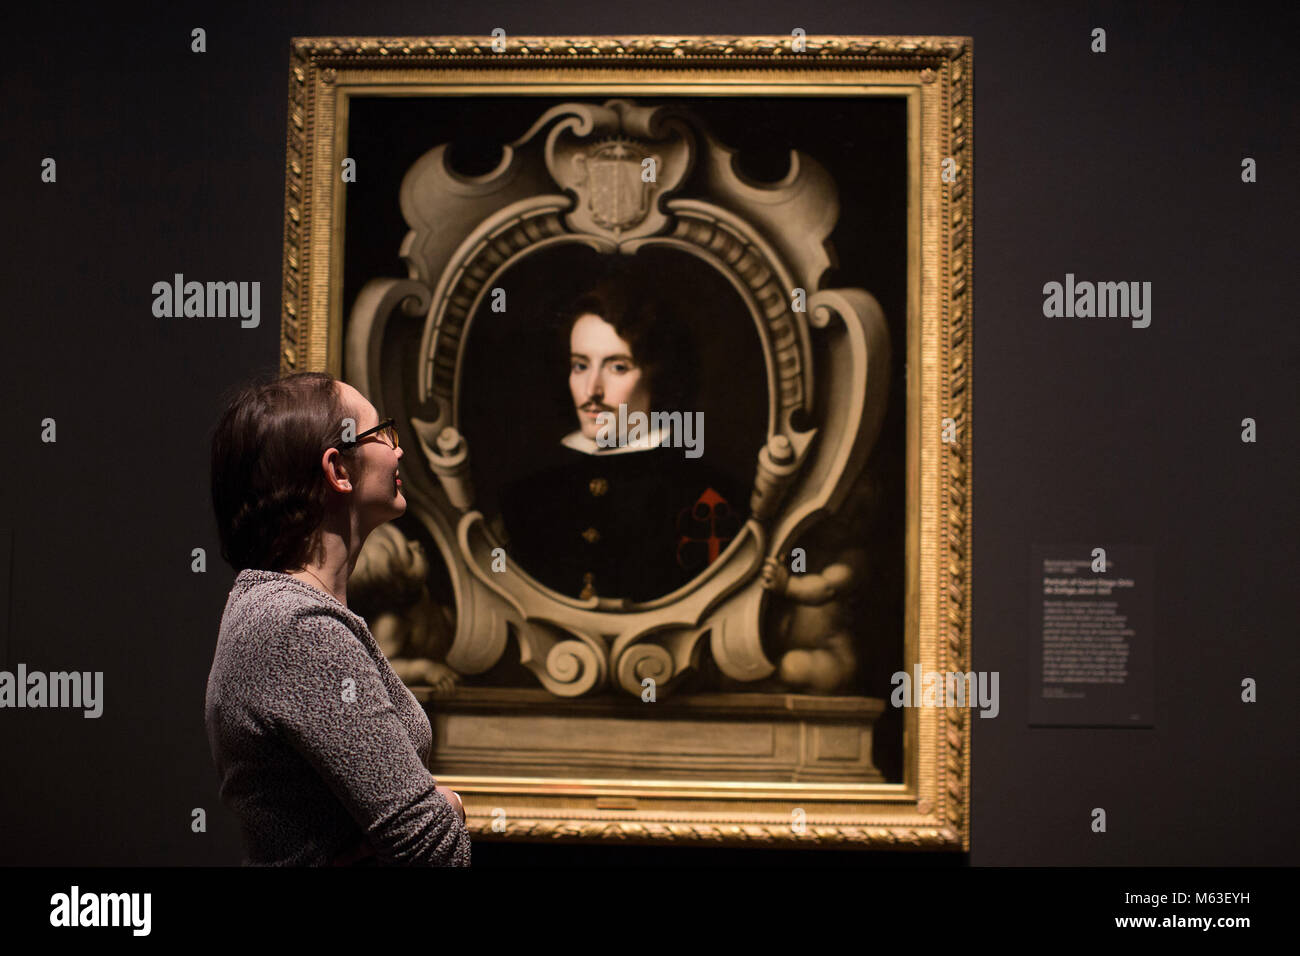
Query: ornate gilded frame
[930,807]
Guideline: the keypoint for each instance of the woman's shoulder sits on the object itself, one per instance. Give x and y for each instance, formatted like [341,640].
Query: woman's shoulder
[274,622]
[281,645]
[268,598]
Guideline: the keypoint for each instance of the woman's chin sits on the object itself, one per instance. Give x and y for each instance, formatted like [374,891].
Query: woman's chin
[399,504]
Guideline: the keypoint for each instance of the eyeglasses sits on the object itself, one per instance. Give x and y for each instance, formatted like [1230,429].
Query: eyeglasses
[387,429]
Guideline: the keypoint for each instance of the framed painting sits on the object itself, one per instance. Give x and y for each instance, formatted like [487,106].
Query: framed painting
[676,332]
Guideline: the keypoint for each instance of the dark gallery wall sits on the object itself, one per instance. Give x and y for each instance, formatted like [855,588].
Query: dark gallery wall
[1117,166]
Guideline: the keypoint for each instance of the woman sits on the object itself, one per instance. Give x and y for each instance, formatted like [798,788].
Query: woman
[321,749]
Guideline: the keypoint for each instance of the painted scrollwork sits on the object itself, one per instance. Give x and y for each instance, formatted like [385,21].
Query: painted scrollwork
[609,176]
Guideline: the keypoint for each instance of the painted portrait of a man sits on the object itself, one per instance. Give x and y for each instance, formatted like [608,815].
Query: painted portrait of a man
[627,504]
[669,365]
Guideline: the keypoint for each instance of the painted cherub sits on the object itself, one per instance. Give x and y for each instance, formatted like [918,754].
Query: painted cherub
[389,588]
[812,629]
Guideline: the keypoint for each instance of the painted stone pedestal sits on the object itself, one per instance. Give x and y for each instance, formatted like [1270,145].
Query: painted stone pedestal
[776,738]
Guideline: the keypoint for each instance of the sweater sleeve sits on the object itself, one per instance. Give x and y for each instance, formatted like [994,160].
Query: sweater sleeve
[325,695]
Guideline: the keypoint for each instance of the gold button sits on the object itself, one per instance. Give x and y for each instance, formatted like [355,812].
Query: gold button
[592,535]
[598,486]
[588,591]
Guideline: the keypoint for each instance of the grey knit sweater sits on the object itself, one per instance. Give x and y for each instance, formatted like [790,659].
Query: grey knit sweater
[317,741]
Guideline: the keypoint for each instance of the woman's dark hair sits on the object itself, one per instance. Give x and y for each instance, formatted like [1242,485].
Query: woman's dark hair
[660,339]
[268,490]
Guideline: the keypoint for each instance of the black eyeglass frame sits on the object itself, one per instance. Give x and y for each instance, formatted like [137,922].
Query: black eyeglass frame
[386,423]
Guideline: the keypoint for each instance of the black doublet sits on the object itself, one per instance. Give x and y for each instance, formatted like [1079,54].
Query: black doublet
[635,524]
